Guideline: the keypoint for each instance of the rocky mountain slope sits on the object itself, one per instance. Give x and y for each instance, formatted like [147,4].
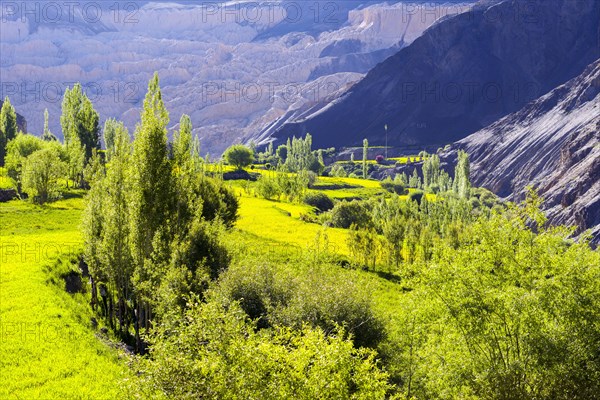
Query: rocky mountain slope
[462,74]
[553,144]
[233,66]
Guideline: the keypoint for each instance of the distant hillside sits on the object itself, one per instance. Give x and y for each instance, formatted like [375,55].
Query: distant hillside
[461,75]
[552,144]
[233,67]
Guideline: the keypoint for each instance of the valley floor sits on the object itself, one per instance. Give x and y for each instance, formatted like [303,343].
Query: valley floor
[48,348]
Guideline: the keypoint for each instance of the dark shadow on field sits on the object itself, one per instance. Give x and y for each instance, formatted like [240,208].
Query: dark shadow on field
[73,195]
[388,276]
[334,186]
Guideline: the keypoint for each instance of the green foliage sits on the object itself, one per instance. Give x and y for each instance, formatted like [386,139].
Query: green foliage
[338,171]
[107,226]
[462,182]
[393,186]
[431,170]
[268,156]
[80,121]
[112,129]
[320,299]
[316,166]
[319,200]
[364,246]
[301,157]
[518,308]
[216,353]
[153,222]
[415,180]
[239,156]
[41,172]
[76,161]
[282,152]
[293,186]
[150,175]
[8,127]
[267,188]
[47,135]
[201,249]
[347,213]
[21,147]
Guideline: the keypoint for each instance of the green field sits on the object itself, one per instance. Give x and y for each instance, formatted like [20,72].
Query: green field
[48,349]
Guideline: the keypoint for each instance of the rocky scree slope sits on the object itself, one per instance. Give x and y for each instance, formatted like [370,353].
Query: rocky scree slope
[553,144]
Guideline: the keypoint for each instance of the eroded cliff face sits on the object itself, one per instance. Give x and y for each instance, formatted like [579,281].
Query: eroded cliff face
[233,68]
[461,75]
[552,144]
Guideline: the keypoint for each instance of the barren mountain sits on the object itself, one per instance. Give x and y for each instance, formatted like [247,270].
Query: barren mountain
[234,66]
[462,74]
[553,144]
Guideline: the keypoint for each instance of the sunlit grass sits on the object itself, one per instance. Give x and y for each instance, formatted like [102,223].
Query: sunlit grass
[48,349]
[279,222]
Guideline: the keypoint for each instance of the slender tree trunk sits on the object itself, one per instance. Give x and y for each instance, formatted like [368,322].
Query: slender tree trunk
[138,342]
[94,299]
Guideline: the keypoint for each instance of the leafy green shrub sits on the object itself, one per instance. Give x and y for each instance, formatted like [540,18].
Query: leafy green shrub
[202,249]
[315,166]
[393,186]
[338,171]
[267,188]
[41,172]
[17,150]
[217,201]
[293,186]
[320,299]
[216,353]
[230,205]
[345,214]
[319,200]
[326,300]
[256,289]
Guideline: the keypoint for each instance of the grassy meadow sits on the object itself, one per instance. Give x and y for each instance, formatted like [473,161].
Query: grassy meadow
[48,349]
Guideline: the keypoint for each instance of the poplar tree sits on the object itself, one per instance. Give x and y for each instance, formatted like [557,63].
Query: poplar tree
[431,170]
[185,170]
[79,119]
[8,127]
[150,199]
[365,155]
[116,252]
[48,136]
[93,225]
[183,142]
[462,182]
[111,126]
